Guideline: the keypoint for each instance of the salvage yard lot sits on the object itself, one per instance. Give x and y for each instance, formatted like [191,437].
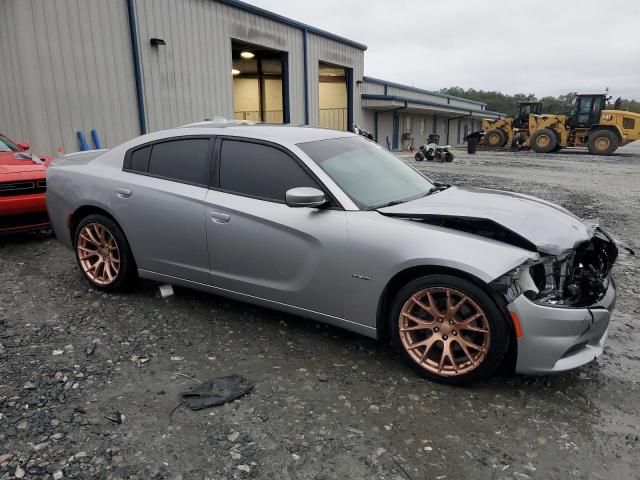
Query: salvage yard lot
[327,403]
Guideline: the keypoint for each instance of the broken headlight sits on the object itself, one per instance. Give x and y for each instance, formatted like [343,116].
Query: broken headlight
[538,279]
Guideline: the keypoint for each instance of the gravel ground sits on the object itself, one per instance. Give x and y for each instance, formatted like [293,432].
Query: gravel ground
[327,403]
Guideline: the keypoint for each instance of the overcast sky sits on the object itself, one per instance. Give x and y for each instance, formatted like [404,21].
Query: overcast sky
[551,48]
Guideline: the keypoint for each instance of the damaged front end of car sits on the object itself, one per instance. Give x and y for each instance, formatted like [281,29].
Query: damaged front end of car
[561,304]
[577,277]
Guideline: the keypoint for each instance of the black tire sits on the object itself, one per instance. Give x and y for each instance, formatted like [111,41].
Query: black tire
[603,142]
[430,155]
[127,271]
[448,157]
[497,338]
[544,140]
[495,138]
[419,156]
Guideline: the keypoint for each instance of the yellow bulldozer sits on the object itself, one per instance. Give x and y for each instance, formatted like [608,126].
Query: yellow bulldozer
[590,124]
[501,132]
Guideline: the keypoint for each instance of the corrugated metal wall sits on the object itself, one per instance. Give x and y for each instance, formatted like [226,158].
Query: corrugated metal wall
[371,88]
[66,66]
[322,49]
[72,68]
[189,78]
[401,92]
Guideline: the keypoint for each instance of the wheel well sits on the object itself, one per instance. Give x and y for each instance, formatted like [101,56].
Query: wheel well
[80,213]
[611,128]
[400,279]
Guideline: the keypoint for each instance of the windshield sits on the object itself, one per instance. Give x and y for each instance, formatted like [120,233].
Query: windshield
[7,145]
[370,175]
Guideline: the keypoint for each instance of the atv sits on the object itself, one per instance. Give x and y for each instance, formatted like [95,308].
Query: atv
[433,151]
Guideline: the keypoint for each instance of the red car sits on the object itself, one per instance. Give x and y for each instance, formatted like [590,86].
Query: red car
[22,188]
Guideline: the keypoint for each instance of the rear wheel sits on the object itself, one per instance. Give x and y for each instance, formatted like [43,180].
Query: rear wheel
[448,329]
[495,138]
[103,253]
[448,157]
[544,140]
[419,156]
[603,142]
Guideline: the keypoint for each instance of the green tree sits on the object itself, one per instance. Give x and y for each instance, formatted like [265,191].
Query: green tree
[500,102]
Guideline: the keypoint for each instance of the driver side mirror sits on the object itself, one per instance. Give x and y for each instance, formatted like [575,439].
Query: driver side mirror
[305,197]
[23,145]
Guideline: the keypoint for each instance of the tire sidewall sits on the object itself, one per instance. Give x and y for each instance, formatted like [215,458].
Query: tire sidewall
[553,141]
[501,136]
[121,281]
[613,142]
[498,326]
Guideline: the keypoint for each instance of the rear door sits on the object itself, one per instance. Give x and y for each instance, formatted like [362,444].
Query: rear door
[159,201]
[261,247]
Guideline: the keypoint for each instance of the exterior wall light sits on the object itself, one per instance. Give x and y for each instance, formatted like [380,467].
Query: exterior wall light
[247,55]
[155,42]
[235,72]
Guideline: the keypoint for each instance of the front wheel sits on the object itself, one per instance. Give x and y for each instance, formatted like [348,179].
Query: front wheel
[448,157]
[544,140]
[495,138]
[103,253]
[419,156]
[602,142]
[448,329]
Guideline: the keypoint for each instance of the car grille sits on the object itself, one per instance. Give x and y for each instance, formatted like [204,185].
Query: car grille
[23,188]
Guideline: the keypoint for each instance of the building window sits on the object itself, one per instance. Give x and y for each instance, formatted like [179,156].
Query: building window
[258,83]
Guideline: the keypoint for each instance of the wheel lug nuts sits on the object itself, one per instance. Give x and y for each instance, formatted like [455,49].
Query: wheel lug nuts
[436,329]
[454,333]
[444,337]
[450,322]
[440,320]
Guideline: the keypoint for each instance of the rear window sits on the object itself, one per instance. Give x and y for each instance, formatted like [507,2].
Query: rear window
[184,160]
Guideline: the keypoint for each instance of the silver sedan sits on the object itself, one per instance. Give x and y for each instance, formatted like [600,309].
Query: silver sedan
[330,226]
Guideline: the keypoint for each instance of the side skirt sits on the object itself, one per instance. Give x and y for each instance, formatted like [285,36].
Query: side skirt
[242,297]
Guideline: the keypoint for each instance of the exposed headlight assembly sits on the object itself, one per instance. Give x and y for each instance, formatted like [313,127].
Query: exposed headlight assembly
[540,280]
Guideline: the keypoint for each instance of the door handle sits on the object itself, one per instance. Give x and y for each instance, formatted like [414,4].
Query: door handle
[123,192]
[220,217]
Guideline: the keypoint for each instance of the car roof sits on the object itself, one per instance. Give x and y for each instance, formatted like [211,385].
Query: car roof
[275,133]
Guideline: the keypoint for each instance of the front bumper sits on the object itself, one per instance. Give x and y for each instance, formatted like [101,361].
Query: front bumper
[21,213]
[557,339]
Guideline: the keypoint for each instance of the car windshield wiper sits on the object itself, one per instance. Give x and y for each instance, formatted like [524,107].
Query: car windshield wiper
[389,204]
[437,188]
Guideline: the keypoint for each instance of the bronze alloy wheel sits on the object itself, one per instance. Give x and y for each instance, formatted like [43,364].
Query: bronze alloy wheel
[98,254]
[444,331]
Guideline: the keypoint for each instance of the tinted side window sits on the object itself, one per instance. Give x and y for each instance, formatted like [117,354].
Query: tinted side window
[181,160]
[260,171]
[140,159]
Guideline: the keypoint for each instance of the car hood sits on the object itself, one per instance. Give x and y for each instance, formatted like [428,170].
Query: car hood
[522,220]
[21,162]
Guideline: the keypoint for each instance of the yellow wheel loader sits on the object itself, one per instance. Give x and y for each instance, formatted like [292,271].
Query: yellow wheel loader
[589,124]
[500,132]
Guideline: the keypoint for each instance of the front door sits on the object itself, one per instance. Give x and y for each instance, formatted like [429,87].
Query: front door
[159,198]
[261,247]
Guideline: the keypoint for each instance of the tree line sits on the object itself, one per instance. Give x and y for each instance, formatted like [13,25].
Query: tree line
[500,102]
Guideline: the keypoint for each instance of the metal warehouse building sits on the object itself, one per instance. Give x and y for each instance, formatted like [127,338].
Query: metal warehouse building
[125,67]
